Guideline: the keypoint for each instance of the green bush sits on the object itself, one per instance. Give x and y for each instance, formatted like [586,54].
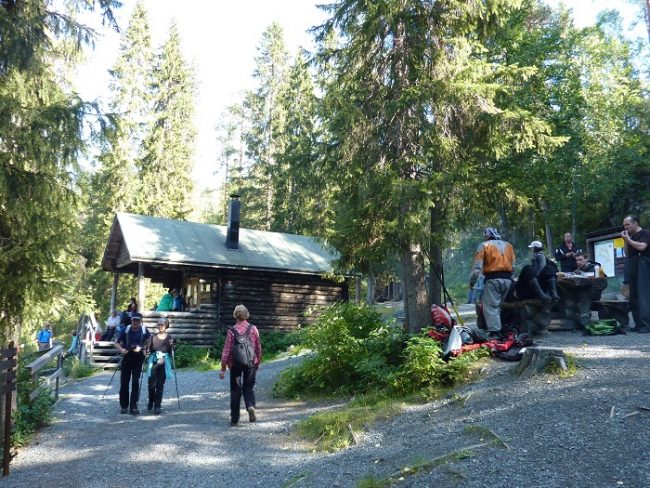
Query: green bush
[75,369]
[29,415]
[275,343]
[353,350]
[186,355]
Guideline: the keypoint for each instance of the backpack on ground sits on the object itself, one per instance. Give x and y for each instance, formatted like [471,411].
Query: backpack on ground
[603,327]
[242,353]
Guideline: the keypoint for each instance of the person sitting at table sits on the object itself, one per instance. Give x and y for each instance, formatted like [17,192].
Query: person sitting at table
[538,280]
[585,266]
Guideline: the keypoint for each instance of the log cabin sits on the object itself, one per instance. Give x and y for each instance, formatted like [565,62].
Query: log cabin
[279,277]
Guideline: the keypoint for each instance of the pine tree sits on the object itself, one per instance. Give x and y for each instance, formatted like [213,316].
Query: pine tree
[412,108]
[165,169]
[115,183]
[265,137]
[41,137]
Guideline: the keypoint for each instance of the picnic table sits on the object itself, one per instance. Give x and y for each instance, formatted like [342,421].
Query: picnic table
[578,292]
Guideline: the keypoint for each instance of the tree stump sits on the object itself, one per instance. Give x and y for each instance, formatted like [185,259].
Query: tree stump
[536,358]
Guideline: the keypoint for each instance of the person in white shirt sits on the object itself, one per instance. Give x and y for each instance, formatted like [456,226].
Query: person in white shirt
[111,324]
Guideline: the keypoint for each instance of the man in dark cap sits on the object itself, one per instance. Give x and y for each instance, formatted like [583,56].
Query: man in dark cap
[130,343]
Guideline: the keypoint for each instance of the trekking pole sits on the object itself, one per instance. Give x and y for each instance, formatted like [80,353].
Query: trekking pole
[448,297]
[113,375]
[178,399]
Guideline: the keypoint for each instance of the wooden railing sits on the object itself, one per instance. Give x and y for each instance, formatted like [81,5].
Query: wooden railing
[35,366]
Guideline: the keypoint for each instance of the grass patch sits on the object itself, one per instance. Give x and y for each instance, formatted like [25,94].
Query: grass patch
[483,433]
[420,466]
[293,481]
[553,368]
[332,431]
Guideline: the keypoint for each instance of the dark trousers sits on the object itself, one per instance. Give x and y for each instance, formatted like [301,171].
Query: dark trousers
[130,372]
[156,383]
[524,290]
[242,380]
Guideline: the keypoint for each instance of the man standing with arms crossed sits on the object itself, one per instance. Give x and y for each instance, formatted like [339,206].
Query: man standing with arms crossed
[636,281]
[495,259]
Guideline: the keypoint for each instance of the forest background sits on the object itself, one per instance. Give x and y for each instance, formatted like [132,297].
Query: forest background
[410,126]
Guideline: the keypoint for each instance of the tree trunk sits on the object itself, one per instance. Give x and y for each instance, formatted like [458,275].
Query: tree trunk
[435,260]
[547,225]
[416,306]
[370,292]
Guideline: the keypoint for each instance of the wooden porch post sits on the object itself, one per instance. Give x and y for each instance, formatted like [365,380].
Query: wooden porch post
[141,287]
[114,291]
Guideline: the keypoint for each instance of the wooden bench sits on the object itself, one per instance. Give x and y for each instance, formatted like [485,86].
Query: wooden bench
[532,316]
[613,309]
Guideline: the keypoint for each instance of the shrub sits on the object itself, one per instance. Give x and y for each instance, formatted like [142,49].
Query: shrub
[186,355]
[29,415]
[76,369]
[353,350]
[276,343]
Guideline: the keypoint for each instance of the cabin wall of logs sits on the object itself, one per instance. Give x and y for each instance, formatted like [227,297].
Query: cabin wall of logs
[276,301]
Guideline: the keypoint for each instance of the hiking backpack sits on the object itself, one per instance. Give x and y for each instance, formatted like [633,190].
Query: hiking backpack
[242,353]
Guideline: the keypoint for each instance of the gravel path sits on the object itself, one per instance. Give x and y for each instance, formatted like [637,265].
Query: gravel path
[554,432]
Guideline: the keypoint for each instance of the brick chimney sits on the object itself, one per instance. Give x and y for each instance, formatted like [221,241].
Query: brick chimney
[232,235]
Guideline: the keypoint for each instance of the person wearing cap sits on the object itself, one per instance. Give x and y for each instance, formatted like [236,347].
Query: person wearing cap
[494,258]
[538,280]
[130,345]
[158,349]
[566,254]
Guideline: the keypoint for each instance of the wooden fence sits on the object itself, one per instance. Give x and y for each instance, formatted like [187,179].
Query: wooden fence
[7,387]
[35,366]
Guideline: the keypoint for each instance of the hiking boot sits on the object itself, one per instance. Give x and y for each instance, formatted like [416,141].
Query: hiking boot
[150,406]
[157,411]
[124,410]
[234,424]
[251,414]
[135,411]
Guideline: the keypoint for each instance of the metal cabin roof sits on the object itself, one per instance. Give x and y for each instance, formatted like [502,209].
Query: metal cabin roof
[155,239]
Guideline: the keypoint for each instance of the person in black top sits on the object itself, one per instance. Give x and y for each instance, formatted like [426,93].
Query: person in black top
[636,279]
[158,349]
[566,254]
[130,343]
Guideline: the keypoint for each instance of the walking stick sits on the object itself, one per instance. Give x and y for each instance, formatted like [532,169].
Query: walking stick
[113,375]
[178,399]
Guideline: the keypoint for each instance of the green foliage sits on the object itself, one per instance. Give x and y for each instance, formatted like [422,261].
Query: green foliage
[29,416]
[186,355]
[353,350]
[276,344]
[75,369]
[335,430]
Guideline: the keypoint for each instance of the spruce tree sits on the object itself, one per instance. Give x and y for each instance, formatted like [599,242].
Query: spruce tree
[166,166]
[265,137]
[412,108]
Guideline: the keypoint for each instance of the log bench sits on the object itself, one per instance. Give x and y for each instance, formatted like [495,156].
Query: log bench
[532,316]
[613,309]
